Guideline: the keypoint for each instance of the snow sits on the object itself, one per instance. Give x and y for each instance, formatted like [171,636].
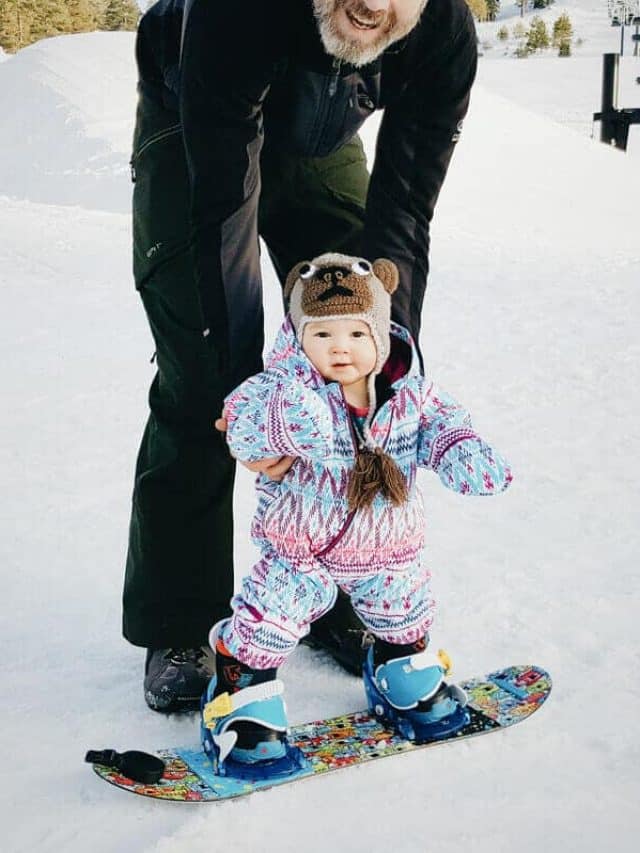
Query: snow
[569,89]
[531,320]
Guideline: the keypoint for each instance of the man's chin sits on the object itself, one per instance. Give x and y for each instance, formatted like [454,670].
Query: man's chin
[352,48]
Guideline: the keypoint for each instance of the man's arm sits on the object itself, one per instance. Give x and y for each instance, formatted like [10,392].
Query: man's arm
[415,144]
[229,53]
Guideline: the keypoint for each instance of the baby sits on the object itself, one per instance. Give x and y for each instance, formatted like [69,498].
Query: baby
[343,393]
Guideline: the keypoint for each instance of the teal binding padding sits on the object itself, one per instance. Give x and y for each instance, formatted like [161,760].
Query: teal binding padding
[404,686]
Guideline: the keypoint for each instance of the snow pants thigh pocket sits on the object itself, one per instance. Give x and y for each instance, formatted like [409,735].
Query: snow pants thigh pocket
[161,190]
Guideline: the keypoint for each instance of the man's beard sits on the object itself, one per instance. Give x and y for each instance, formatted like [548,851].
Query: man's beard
[351,50]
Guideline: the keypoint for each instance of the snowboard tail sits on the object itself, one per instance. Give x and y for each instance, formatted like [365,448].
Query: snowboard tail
[496,701]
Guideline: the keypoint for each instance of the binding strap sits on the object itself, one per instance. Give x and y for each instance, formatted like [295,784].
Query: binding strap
[227,703]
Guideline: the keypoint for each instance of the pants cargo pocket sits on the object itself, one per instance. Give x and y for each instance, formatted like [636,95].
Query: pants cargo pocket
[160,201]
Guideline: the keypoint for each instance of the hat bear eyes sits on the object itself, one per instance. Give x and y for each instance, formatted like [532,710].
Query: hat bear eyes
[307,271]
[361,267]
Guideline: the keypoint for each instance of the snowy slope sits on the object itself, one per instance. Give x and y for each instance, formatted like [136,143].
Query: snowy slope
[66,121]
[566,89]
[531,320]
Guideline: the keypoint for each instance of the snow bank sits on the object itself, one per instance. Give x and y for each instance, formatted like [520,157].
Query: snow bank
[67,107]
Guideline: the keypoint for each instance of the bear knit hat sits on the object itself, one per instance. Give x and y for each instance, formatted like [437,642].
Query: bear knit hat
[336,287]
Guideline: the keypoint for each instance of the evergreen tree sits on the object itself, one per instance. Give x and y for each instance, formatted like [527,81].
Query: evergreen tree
[538,36]
[478,9]
[9,40]
[16,19]
[503,33]
[493,7]
[98,8]
[23,22]
[562,30]
[564,48]
[81,16]
[519,31]
[120,15]
[49,18]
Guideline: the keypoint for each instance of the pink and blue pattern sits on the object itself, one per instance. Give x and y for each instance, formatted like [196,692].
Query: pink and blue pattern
[310,543]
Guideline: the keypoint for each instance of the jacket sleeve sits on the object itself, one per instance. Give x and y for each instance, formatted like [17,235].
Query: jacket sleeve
[449,445]
[415,144]
[270,415]
[227,64]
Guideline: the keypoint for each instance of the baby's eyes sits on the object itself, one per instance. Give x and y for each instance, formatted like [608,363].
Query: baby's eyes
[354,334]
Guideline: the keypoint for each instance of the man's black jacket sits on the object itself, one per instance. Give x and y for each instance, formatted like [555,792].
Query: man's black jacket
[239,70]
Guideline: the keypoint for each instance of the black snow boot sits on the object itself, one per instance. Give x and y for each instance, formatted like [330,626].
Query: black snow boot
[342,635]
[175,679]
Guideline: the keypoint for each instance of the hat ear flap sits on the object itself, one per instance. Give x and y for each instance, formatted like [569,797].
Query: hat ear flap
[293,277]
[388,274]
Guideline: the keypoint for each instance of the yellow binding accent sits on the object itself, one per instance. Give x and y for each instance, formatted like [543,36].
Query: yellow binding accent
[445,661]
[221,706]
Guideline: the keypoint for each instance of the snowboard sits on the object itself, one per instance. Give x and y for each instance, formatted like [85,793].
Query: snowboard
[496,701]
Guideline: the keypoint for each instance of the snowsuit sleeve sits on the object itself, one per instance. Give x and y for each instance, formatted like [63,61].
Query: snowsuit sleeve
[449,445]
[270,415]
[415,144]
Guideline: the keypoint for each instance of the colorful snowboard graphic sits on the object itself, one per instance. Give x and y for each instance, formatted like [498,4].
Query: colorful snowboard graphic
[497,701]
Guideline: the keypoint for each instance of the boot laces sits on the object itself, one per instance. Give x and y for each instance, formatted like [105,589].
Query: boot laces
[368,639]
[185,656]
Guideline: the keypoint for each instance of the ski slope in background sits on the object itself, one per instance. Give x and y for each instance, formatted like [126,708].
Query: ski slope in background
[531,320]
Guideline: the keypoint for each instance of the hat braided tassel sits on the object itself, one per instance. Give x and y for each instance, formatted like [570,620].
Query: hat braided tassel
[375,472]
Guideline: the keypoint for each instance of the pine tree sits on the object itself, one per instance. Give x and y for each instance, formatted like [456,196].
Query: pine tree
[16,20]
[538,36]
[478,9]
[9,39]
[564,48]
[562,30]
[81,16]
[503,33]
[120,15]
[493,7]
[23,22]
[50,18]
[519,31]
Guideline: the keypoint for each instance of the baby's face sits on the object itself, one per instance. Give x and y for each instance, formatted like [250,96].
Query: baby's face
[341,350]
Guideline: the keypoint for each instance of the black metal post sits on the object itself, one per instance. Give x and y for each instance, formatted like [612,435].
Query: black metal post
[610,68]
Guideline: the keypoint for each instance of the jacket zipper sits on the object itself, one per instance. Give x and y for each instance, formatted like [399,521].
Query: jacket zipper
[351,514]
[333,85]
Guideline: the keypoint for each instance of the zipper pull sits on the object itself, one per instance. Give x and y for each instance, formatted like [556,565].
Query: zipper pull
[333,86]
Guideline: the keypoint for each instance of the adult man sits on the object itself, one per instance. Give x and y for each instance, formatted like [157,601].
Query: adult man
[247,125]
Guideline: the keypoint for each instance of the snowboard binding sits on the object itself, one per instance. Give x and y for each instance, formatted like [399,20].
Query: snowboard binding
[410,694]
[244,734]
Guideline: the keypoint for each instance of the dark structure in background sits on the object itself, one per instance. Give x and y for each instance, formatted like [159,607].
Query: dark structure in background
[615,122]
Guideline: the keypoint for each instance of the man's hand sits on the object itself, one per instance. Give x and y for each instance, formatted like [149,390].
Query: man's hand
[274,468]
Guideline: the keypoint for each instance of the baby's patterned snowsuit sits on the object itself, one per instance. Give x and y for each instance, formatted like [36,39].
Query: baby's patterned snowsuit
[310,542]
